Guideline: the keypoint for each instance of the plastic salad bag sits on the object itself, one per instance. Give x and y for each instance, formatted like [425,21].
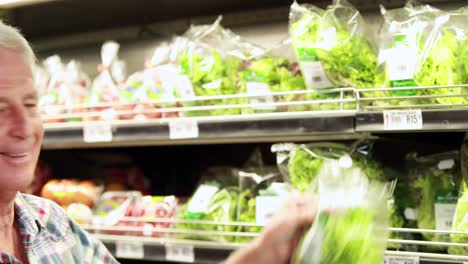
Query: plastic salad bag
[53,98]
[300,165]
[214,200]
[436,182]
[421,46]
[77,85]
[351,224]
[460,219]
[104,87]
[261,194]
[212,58]
[334,46]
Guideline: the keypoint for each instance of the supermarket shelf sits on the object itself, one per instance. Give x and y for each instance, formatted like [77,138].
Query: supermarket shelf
[296,126]
[163,246]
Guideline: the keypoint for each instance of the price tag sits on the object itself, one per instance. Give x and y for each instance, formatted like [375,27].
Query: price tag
[401,260]
[129,250]
[183,128]
[180,253]
[403,120]
[99,132]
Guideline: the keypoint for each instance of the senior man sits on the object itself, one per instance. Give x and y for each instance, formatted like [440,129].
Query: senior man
[36,230]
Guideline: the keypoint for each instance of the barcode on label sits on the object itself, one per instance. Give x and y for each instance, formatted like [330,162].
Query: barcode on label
[180,253]
[402,120]
[317,79]
[401,260]
[129,250]
[314,75]
[99,132]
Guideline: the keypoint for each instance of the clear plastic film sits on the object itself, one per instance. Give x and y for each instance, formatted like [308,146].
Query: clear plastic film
[460,219]
[435,184]
[211,57]
[421,46]
[261,194]
[334,46]
[351,224]
[215,199]
[104,86]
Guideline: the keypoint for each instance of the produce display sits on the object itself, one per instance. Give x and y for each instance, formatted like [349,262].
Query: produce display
[460,223]
[334,46]
[301,165]
[351,226]
[66,192]
[436,182]
[421,46]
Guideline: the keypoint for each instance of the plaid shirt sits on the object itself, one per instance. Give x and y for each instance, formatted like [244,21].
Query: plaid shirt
[50,236]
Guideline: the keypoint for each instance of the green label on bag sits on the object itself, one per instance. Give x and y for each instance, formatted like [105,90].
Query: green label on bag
[403,83]
[307,54]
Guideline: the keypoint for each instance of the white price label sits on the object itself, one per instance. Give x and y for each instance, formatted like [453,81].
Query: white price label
[401,260]
[129,250]
[183,128]
[403,120]
[180,253]
[98,132]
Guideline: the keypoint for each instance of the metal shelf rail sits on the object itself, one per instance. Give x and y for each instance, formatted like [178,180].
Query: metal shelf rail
[140,239]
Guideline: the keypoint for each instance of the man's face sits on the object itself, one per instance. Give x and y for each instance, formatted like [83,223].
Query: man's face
[21,129]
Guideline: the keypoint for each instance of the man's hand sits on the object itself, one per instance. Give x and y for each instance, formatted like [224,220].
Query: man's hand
[279,238]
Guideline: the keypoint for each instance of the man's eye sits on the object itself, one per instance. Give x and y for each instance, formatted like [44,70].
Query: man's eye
[31,105]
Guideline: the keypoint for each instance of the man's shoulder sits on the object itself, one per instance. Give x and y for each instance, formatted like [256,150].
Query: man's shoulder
[41,208]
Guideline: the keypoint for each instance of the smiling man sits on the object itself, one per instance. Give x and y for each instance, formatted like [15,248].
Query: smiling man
[32,229]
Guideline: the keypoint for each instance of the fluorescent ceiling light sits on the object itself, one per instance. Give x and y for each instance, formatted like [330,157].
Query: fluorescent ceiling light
[18,3]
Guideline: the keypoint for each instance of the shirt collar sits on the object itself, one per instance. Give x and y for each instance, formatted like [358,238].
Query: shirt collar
[28,219]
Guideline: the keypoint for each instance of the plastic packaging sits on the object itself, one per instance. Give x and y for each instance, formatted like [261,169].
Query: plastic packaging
[436,182]
[112,207]
[104,88]
[68,191]
[212,57]
[334,46]
[421,46]
[155,208]
[215,200]
[351,225]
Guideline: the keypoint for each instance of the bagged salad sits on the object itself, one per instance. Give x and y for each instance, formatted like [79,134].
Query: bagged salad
[421,46]
[435,183]
[460,219]
[334,46]
[212,57]
[261,194]
[300,165]
[214,200]
[351,224]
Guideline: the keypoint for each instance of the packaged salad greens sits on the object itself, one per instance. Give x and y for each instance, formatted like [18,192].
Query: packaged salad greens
[214,200]
[421,46]
[334,46]
[460,219]
[300,165]
[435,183]
[351,225]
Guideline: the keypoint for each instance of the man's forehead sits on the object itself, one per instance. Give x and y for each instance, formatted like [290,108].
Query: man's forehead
[13,61]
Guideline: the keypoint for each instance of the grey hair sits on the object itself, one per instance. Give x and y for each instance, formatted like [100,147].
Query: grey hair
[11,38]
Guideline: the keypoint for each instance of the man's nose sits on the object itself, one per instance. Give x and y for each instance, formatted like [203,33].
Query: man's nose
[22,126]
